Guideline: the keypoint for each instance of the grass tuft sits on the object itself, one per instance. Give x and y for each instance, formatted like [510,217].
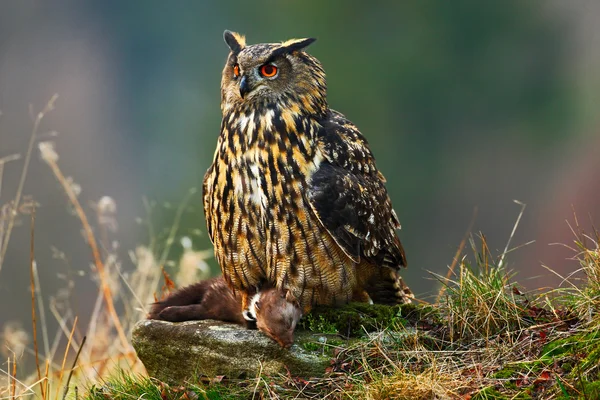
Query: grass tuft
[481,300]
[586,299]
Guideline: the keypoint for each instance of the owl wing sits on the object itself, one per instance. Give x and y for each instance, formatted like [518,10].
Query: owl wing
[348,195]
[207,189]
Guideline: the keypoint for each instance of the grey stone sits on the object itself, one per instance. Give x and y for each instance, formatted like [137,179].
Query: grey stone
[176,352]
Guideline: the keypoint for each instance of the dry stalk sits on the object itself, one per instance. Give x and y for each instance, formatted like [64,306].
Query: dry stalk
[512,234]
[72,368]
[13,212]
[33,318]
[46,381]
[42,312]
[456,256]
[172,233]
[13,388]
[91,239]
[3,161]
[62,367]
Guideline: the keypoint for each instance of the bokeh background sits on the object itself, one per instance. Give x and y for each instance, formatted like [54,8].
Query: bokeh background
[467,105]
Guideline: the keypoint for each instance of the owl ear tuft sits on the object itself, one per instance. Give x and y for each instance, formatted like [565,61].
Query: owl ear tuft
[235,41]
[297,44]
[291,46]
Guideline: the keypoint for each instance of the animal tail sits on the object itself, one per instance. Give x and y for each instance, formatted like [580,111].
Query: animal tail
[192,294]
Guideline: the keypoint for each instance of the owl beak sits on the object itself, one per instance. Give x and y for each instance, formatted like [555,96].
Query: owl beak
[244,86]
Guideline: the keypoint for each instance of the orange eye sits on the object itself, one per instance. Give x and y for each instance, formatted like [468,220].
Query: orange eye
[268,70]
[236,70]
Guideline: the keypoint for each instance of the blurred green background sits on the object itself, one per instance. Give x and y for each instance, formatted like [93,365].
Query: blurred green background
[466,105]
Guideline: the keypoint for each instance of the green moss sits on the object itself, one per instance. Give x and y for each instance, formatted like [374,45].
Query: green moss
[312,346]
[592,360]
[505,373]
[582,341]
[577,353]
[336,342]
[492,393]
[560,347]
[592,390]
[318,323]
[489,393]
[517,369]
[355,319]
[322,345]
[567,367]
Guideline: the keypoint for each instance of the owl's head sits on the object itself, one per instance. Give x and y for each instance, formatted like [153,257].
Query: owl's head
[272,73]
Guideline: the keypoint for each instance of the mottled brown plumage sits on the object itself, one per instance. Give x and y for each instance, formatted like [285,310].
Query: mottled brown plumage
[293,197]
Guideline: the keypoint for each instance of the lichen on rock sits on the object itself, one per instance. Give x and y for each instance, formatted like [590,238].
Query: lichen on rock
[178,352]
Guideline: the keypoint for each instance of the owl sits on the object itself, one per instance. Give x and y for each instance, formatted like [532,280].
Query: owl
[293,198]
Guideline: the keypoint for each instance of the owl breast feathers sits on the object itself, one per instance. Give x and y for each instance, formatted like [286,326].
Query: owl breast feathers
[293,197]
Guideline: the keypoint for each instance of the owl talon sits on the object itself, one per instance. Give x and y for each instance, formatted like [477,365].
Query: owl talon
[362,296]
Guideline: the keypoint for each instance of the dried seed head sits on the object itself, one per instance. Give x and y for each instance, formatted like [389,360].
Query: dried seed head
[15,339]
[106,205]
[48,152]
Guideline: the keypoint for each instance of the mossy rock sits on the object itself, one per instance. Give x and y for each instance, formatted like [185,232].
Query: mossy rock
[178,352]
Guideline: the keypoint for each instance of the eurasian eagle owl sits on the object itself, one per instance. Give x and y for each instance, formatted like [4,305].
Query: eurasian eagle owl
[293,198]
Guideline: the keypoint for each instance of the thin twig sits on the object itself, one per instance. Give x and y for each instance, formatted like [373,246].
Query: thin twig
[133,293]
[25,386]
[42,311]
[523,205]
[3,161]
[257,380]
[148,208]
[91,330]
[62,324]
[72,368]
[13,213]
[13,388]
[33,319]
[175,226]
[172,233]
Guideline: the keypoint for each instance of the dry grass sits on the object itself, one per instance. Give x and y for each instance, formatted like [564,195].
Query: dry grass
[429,384]
[77,356]
[586,295]
[481,301]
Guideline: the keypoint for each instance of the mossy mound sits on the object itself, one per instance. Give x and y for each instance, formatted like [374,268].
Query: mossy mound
[358,319]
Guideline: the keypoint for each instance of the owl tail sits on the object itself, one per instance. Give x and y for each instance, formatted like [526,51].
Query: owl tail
[388,287]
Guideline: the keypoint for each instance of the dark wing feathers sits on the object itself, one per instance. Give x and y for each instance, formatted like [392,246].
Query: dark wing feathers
[348,194]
